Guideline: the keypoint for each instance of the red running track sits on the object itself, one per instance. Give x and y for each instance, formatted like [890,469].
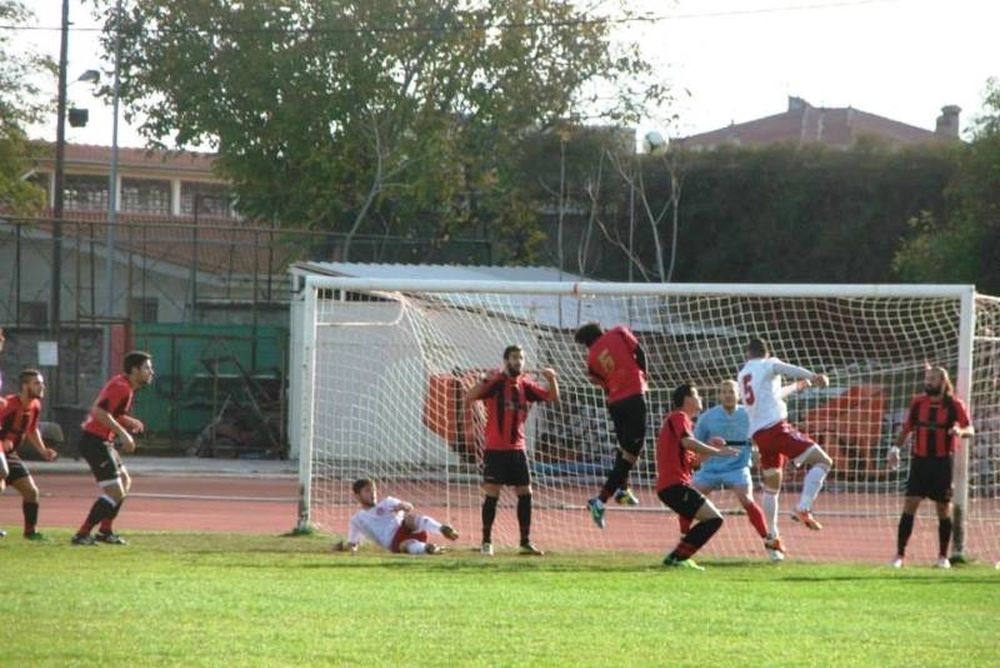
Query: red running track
[166,503]
[268,505]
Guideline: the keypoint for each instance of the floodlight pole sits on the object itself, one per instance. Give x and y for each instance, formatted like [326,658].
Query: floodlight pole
[109,266]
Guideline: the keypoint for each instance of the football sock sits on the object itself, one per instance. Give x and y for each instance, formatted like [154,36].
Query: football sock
[903,533]
[489,514]
[769,502]
[426,523]
[756,517]
[416,547]
[812,484]
[695,538]
[102,508]
[109,520]
[684,523]
[618,477]
[30,510]
[944,536]
[524,516]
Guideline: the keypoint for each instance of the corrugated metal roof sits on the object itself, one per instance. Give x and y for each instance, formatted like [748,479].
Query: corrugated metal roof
[445,272]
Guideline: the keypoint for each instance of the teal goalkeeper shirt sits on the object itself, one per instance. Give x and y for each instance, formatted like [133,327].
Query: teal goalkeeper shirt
[733,427]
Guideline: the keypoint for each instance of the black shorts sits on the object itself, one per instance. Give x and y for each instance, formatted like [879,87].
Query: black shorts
[629,417]
[103,462]
[683,500]
[16,468]
[506,467]
[931,477]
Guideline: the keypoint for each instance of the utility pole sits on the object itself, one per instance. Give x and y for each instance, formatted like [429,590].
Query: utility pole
[55,304]
[109,267]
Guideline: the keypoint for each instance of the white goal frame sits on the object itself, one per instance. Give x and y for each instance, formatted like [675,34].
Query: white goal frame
[307,286]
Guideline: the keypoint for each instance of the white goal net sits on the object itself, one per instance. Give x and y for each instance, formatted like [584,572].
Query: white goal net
[380,369]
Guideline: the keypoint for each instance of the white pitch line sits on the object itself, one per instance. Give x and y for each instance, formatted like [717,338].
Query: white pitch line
[207,497]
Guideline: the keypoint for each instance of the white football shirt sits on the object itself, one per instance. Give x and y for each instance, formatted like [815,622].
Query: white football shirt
[760,388]
[378,523]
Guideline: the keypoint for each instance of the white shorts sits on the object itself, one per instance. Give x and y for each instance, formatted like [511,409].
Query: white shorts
[710,480]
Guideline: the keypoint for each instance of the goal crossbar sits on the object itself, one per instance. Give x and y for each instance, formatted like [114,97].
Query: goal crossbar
[569,289]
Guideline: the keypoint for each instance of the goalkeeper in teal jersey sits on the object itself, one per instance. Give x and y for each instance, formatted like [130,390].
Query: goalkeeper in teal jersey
[730,421]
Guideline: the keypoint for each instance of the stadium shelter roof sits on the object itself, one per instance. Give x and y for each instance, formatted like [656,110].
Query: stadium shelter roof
[548,311]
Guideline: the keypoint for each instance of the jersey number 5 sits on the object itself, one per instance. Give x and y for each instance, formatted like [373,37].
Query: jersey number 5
[606,361]
[748,397]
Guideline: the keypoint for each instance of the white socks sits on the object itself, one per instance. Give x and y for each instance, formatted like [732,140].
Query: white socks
[416,547]
[812,484]
[769,502]
[426,523]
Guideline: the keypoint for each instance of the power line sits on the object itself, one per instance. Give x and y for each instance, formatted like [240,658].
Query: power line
[648,18]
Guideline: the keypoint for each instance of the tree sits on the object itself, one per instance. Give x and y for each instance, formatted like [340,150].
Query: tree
[963,246]
[375,115]
[19,107]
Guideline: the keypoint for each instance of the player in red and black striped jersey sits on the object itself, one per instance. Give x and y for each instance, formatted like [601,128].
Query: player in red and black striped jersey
[108,420]
[676,448]
[508,395]
[616,363]
[19,422]
[937,420]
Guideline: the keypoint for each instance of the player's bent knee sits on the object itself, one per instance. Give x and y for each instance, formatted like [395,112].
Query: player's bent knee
[772,480]
[814,456]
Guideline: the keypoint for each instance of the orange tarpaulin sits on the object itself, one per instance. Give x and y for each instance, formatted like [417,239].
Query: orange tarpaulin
[447,414]
[850,427]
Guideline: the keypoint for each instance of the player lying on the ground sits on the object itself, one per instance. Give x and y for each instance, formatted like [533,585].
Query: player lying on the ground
[391,523]
[676,450]
[19,423]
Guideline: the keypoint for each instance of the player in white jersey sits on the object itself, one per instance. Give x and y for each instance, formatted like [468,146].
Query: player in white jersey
[776,440]
[391,523]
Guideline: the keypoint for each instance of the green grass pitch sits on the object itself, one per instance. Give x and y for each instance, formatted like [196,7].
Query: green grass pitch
[236,600]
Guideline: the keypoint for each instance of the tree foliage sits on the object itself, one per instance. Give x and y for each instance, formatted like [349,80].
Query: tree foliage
[774,214]
[402,116]
[19,107]
[964,245]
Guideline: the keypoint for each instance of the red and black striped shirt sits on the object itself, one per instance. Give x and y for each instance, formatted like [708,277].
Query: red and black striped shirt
[931,418]
[507,400]
[16,420]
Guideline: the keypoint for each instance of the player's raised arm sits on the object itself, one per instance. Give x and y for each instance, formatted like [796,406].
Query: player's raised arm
[640,357]
[792,388]
[800,373]
[480,389]
[553,384]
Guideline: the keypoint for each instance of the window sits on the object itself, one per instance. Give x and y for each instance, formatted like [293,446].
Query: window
[146,196]
[213,199]
[145,309]
[85,192]
[34,314]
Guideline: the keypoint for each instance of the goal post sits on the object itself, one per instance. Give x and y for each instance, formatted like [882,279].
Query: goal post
[380,366]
